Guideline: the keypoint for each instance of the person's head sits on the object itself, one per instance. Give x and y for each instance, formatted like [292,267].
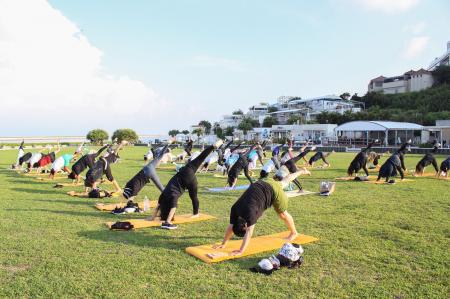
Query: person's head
[376,159]
[240,227]
[72,176]
[281,173]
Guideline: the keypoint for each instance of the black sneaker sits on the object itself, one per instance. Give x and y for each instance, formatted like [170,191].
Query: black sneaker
[167,225]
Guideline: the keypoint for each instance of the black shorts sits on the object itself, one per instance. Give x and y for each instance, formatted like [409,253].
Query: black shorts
[166,203]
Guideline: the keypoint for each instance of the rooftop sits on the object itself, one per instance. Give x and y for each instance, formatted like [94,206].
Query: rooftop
[377,126]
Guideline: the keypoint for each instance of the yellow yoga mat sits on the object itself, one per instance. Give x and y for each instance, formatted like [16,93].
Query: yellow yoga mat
[382,181]
[295,193]
[257,245]
[179,219]
[112,206]
[69,184]
[426,174]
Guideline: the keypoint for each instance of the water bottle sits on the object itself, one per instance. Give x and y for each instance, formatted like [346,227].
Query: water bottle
[146,204]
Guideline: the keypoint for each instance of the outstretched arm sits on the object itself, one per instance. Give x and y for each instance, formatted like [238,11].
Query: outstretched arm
[101,150]
[245,241]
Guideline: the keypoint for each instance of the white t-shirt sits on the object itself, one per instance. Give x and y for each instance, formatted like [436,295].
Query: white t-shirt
[269,166]
[35,158]
[58,164]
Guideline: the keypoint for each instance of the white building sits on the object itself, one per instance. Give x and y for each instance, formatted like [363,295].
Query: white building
[408,82]
[443,60]
[255,112]
[307,109]
[320,133]
[230,121]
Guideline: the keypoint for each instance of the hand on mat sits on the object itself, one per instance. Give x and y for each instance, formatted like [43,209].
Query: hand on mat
[291,237]
[218,246]
[236,252]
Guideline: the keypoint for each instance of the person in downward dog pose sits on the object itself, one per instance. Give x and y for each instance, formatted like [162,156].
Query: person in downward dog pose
[256,155]
[188,146]
[427,160]
[143,177]
[231,158]
[48,159]
[62,163]
[215,157]
[185,179]
[445,168]
[360,161]
[83,163]
[241,164]
[21,156]
[150,153]
[320,155]
[292,167]
[260,196]
[103,167]
[395,163]
[272,164]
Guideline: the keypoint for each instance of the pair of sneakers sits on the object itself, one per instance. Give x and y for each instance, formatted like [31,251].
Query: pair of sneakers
[167,225]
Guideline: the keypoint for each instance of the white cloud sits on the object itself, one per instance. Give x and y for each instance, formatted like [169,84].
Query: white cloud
[51,75]
[215,62]
[387,6]
[415,46]
[416,29]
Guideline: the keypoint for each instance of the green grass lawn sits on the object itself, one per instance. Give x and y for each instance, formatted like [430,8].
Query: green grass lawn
[376,241]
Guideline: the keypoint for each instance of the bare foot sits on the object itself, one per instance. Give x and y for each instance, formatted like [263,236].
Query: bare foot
[291,237]
[194,216]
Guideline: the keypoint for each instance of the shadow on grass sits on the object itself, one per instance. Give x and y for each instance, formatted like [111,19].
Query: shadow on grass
[36,191]
[106,216]
[136,238]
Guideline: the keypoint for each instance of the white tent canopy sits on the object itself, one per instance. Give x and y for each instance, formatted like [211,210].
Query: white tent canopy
[388,132]
[377,126]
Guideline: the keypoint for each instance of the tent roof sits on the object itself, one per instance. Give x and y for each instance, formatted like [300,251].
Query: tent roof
[377,126]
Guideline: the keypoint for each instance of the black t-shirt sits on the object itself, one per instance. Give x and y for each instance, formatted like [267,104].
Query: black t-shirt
[252,204]
[317,156]
[83,163]
[100,168]
[237,167]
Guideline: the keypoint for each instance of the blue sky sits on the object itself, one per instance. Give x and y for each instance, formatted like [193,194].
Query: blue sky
[208,58]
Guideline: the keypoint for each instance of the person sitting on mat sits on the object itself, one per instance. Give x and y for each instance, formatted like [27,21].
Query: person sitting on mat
[62,163]
[427,160]
[83,163]
[320,155]
[184,179]
[143,177]
[292,167]
[241,164]
[260,196]
[445,168]
[103,167]
[360,161]
[395,163]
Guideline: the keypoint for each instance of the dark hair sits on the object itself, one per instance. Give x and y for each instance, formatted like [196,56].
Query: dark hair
[72,176]
[240,227]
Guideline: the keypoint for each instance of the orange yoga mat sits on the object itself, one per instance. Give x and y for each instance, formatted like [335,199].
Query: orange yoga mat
[257,245]
[112,206]
[179,219]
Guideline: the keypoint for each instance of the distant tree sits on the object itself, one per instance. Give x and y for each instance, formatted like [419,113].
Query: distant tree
[229,131]
[272,109]
[345,96]
[97,136]
[125,134]
[247,124]
[238,112]
[441,75]
[173,133]
[294,119]
[185,132]
[270,121]
[207,125]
